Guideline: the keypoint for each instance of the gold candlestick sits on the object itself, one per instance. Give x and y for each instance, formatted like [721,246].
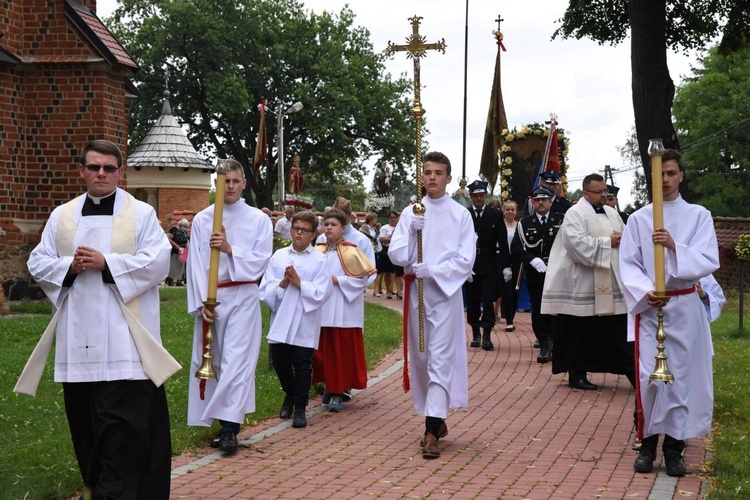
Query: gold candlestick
[416,49]
[661,371]
[206,370]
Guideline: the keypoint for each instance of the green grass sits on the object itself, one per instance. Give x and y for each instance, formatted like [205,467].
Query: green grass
[730,462]
[37,459]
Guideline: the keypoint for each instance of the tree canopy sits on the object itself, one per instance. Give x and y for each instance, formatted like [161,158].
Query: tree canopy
[655,26]
[712,115]
[224,56]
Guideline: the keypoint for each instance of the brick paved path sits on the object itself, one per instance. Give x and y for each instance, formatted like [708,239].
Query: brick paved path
[526,435]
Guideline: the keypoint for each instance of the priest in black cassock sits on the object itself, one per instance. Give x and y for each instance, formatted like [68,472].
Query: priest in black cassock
[100,261]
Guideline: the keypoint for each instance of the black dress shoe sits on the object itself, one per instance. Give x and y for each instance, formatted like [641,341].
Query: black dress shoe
[228,443]
[300,420]
[582,384]
[675,465]
[487,340]
[645,461]
[286,408]
[476,340]
[545,355]
[215,441]
[536,344]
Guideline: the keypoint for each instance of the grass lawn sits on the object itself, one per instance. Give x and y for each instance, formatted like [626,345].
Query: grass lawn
[36,456]
[37,459]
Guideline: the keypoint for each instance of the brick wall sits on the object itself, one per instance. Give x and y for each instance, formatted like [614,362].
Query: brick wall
[49,110]
[182,203]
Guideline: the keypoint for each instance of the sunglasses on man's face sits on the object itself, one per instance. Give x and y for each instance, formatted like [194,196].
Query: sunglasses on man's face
[107,168]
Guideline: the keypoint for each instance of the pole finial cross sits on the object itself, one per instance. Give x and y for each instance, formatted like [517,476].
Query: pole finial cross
[415,43]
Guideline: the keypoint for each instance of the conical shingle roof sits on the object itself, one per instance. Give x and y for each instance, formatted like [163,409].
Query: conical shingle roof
[167,145]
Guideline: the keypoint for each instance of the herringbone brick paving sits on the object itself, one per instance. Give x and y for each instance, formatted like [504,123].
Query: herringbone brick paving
[525,435]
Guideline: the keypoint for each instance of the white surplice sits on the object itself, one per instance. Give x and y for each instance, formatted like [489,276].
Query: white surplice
[237,329]
[345,308]
[93,341]
[439,375]
[296,313]
[683,409]
[583,275]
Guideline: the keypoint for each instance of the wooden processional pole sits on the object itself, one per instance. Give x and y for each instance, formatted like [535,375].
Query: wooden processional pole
[415,49]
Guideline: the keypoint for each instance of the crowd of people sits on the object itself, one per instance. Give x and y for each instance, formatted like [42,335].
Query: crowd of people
[590,279]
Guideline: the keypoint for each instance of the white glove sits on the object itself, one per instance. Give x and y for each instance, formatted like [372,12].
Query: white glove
[539,265]
[507,274]
[422,271]
[417,224]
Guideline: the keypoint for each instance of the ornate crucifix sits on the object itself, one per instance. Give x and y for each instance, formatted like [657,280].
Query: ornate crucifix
[416,49]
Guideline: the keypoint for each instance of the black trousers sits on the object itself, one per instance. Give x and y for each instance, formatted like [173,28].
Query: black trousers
[540,323]
[120,432]
[480,297]
[509,303]
[293,365]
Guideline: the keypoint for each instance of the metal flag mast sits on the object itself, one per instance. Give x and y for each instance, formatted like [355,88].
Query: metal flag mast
[416,49]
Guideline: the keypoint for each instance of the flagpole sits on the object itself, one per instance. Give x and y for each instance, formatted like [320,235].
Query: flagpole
[466,70]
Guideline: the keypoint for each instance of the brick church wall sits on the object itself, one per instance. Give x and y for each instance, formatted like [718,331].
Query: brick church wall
[49,110]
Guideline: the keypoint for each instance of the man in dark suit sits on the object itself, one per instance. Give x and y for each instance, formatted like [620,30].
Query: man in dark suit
[550,180]
[531,245]
[492,261]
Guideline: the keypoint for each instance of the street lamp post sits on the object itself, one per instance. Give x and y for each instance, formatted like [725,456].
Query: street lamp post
[280,113]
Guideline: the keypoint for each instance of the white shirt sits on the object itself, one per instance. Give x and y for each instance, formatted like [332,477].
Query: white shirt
[296,313]
[284,228]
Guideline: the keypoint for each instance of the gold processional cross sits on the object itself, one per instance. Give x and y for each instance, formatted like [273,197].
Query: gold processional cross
[416,49]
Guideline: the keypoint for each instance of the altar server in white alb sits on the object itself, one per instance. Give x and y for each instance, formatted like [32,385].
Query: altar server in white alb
[246,243]
[295,287]
[681,410]
[439,375]
[100,261]
[339,361]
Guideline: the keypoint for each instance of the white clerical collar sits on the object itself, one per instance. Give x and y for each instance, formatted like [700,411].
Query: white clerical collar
[98,199]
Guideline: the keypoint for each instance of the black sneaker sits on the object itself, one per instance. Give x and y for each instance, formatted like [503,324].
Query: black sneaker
[228,443]
[347,395]
[675,465]
[645,461]
[300,420]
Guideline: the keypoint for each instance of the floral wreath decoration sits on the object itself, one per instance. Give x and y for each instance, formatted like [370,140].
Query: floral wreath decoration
[376,203]
[742,248]
[298,201]
[513,135]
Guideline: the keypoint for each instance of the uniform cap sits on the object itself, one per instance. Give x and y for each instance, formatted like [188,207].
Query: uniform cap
[540,193]
[477,187]
[550,176]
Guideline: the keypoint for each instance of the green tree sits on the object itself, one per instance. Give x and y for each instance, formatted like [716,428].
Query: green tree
[224,56]
[631,157]
[712,114]
[656,26]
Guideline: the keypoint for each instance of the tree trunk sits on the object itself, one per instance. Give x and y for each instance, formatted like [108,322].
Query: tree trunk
[653,88]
